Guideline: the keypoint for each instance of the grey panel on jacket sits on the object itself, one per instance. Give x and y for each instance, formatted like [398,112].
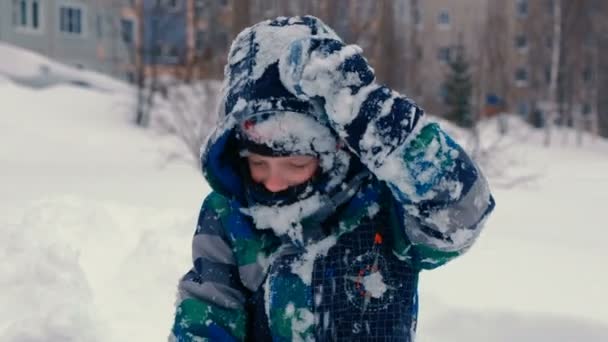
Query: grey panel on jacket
[212,248]
[217,272]
[459,223]
[212,292]
[252,276]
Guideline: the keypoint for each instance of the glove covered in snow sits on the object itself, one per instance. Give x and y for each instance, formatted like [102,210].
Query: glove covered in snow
[322,70]
[372,119]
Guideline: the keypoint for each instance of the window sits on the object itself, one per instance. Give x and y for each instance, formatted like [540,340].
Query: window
[443,93]
[168,4]
[523,108]
[130,76]
[587,75]
[35,15]
[23,9]
[169,53]
[521,77]
[26,14]
[417,17]
[99,26]
[165,53]
[70,20]
[223,39]
[200,41]
[443,18]
[521,8]
[443,54]
[172,52]
[586,109]
[126,30]
[199,8]
[547,74]
[521,42]
[174,4]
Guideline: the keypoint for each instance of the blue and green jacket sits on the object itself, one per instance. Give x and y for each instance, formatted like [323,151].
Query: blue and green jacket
[412,200]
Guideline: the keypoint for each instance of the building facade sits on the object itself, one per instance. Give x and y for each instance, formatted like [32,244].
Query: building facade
[495,36]
[508,45]
[81,33]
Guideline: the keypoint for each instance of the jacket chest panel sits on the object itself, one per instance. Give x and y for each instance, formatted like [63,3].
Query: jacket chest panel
[359,290]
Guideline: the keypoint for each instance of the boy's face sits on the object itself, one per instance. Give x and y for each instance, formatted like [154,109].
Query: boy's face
[279,173]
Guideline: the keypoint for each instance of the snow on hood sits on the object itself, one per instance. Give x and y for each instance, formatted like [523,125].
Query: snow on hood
[252,85]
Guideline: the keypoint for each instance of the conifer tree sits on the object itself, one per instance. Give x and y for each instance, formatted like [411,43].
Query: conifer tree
[458,91]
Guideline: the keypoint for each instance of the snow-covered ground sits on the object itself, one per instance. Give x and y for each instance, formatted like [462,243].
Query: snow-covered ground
[28,68]
[96,225]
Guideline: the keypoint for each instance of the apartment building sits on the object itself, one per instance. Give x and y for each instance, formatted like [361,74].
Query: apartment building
[493,34]
[81,33]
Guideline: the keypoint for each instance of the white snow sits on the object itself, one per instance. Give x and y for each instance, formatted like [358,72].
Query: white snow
[316,78]
[271,43]
[536,272]
[31,69]
[374,284]
[95,224]
[285,219]
[96,227]
[292,132]
[303,266]
[300,323]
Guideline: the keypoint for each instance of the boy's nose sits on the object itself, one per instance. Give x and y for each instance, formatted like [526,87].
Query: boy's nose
[275,183]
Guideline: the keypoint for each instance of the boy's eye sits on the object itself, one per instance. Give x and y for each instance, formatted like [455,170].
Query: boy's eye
[299,165]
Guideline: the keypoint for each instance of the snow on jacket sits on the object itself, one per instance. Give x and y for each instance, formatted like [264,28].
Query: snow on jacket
[411,200]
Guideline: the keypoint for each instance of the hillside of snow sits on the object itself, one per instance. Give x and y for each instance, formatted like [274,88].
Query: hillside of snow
[96,226]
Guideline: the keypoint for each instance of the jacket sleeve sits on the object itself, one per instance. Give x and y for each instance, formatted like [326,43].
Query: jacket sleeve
[440,194]
[211,299]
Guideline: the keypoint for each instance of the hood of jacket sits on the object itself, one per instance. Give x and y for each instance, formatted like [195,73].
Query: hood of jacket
[252,86]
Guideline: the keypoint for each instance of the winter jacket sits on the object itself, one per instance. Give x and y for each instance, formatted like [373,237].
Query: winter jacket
[412,200]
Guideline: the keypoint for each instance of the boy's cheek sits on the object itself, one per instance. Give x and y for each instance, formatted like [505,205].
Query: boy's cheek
[256,174]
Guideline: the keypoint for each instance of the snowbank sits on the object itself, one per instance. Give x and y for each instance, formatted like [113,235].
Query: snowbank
[95,224]
[45,293]
[33,70]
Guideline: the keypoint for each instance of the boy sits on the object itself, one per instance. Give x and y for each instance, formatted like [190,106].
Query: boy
[330,194]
